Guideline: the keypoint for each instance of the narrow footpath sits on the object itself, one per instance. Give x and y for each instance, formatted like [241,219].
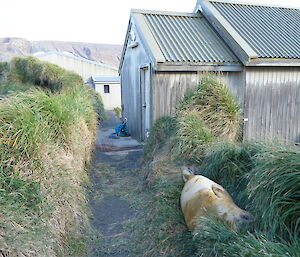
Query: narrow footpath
[116,188]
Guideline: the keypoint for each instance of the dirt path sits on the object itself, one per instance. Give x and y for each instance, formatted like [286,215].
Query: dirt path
[116,187]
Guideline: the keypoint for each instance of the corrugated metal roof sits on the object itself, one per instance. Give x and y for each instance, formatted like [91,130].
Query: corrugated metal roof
[188,38]
[272,32]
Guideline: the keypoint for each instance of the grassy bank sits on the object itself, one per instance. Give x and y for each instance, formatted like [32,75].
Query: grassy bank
[262,178]
[47,130]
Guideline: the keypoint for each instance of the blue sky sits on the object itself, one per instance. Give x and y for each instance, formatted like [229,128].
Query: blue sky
[95,21]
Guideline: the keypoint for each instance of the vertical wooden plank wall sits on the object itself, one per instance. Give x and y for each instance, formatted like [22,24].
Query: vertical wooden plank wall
[272,103]
[169,87]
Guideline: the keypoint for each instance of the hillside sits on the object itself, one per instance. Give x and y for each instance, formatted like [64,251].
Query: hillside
[105,53]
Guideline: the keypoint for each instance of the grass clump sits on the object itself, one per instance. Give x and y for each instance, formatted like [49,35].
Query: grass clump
[161,132]
[47,135]
[4,69]
[97,104]
[215,238]
[10,88]
[228,164]
[44,74]
[26,73]
[192,137]
[207,114]
[274,183]
[118,112]
[218,108]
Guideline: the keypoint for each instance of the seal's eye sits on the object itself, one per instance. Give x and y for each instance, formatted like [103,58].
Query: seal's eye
[247,217]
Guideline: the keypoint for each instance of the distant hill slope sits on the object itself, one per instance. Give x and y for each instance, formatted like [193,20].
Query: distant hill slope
[105,53]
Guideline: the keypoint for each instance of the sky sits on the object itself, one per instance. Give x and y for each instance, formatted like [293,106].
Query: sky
[94,21]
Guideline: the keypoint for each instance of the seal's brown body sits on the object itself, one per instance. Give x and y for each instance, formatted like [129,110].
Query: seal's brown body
[201,195]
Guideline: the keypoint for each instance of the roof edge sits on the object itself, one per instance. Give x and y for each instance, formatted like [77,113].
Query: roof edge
[75,58]
[154,53]
[149,42]
[231,37]
[255,4]
[145,11]
[274,62]
[199,67]
[124,46]
[103,78]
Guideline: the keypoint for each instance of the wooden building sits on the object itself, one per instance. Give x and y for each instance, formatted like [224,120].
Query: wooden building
[256,47]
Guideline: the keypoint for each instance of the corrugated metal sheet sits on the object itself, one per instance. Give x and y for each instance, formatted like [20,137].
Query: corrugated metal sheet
[188,39]
[272,32]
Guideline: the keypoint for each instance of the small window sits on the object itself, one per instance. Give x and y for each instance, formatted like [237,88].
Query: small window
[106,89]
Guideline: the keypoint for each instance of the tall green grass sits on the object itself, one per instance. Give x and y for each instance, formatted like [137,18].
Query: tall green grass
[262,177]
[97,103]
[46,136]
[207,114]
[274,183]
[24,73]
[10,88]
[118,112]
[161,132]
[215,238]
[4,69]
[192,137]
[216,105]
[47,75]
[228,164]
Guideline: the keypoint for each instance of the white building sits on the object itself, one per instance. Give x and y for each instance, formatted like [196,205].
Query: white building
[84,67]
[110,90]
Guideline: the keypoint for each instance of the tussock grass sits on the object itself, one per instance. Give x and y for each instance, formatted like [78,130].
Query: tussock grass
[97,103]
[192,137]
[228,164]
[207,114]
[262,177]
[270,197]
[4,69]
[216,239]
[44,74]
[118,112]
[274,183]
[161,132]
[30,71]
[7,89]
[218,108]
[46,140]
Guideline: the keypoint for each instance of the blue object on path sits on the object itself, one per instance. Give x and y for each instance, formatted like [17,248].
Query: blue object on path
[122,129]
